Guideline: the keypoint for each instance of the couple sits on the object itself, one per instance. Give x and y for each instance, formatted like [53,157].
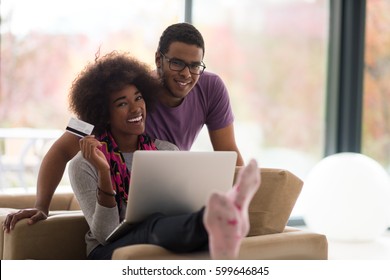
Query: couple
[120,98]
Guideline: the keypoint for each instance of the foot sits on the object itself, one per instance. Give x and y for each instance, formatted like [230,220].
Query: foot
[221,220]
[226,215]
[247,183]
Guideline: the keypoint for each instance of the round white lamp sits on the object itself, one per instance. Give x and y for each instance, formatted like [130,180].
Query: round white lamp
[347,198]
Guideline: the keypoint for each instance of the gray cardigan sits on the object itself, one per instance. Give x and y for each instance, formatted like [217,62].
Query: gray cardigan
[84,181]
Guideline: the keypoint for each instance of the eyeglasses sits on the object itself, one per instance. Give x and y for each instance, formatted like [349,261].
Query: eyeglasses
[179,65]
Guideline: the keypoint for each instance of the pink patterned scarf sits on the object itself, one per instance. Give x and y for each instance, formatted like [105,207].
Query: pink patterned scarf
[120,175]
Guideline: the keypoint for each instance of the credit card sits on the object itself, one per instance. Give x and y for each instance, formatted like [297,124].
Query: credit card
[79,127]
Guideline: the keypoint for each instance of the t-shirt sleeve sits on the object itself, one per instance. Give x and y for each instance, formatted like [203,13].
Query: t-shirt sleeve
[219,114]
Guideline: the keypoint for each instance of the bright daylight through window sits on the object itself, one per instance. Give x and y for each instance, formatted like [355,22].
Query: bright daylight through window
[271,55]
[44,44]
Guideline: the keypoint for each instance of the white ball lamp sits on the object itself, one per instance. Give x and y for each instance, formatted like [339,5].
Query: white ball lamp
[347,198]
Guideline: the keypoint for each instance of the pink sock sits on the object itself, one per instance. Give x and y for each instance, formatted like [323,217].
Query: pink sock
[222,223]
[226,215]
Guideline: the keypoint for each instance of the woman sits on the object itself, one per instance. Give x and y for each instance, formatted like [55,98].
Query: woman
[112,94]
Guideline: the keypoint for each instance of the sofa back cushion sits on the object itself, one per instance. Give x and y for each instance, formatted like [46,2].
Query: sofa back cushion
[74,204]
[272,205]
[17,201]
[59,202]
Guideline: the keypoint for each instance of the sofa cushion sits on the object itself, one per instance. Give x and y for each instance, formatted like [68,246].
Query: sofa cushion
[291,244]
[74,204]
[272,205]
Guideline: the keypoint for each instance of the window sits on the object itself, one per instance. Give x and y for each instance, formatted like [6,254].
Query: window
[44,44]
[376,95]
[272,55]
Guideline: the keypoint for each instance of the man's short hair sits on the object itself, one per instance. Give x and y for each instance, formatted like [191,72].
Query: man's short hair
[180,32]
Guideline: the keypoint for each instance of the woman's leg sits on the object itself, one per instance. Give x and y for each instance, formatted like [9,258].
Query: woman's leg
[221,224]
[181,233]
[226,216]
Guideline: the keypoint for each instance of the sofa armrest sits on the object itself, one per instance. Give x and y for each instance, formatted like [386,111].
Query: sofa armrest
[272,204]
[60,236]
[291,244]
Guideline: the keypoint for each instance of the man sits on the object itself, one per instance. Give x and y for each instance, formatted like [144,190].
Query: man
[191,99]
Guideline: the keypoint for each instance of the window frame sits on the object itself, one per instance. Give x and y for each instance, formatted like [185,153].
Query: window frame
[344,104]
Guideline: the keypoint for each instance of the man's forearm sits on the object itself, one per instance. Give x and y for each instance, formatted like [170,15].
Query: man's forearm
[53,167]
[49,177]
[240,161]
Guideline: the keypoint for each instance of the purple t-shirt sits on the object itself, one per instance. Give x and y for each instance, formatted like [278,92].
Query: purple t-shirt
[207,103]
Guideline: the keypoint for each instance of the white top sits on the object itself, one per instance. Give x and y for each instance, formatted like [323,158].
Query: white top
[84,181]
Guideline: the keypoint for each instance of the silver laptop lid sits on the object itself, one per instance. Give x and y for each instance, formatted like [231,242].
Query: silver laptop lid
[176,182]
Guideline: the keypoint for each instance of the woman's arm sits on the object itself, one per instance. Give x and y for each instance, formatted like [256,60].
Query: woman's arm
[90,178]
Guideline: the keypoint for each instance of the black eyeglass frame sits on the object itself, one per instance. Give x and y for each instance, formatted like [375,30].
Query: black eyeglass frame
[202,66]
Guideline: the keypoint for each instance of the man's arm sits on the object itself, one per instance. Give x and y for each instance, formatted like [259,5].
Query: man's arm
[223,140]
[50,174]
[52,168]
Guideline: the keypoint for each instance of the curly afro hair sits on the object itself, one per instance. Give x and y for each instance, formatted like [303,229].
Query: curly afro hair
[90,91]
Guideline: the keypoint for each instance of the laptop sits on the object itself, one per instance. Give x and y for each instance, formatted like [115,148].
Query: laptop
[173,183]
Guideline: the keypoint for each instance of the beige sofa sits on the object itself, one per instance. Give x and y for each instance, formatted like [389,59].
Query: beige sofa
[61,236]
